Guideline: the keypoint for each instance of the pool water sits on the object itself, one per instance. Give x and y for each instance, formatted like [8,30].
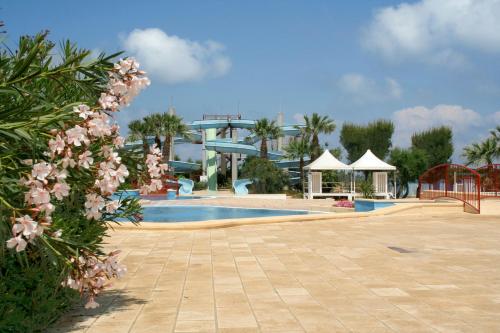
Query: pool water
[168,214]
[163,197]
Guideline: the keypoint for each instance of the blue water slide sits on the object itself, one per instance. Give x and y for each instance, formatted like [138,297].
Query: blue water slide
[221,123]
[186,186]
[222,146]
[180,166]
[290,163]
[240,186]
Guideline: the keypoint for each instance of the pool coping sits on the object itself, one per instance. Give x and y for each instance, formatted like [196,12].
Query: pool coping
[226,223]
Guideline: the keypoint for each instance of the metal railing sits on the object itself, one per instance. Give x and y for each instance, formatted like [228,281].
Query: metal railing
[490,180]
[452,181]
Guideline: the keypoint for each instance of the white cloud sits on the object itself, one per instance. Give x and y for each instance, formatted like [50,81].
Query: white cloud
[495,117]
[368,90]
[299,118]
[433,30]
[172,59]
[419,118]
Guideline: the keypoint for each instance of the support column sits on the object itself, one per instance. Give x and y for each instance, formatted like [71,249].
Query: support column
[223,162]
[234,156]
[203,153]
[171,111]
[211,134]
[280,123]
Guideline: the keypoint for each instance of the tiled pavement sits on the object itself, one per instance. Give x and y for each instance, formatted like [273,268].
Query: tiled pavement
[441,274]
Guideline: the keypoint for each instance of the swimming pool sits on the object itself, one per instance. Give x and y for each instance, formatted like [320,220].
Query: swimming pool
[168,214]
[180,197]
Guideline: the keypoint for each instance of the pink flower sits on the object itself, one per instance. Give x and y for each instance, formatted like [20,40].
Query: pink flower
[108,102]
[68,162]
[112,206]
[84,159]
[38,196]
[117,87]
[41,170]
[121,173]
[18,242]
[119,142]
[26,225]
[99,128]
[77,135]
[83,111]
[56,145]
[93,204]
[60,190]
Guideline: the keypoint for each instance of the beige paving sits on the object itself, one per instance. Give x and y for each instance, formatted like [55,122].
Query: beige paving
[419,273]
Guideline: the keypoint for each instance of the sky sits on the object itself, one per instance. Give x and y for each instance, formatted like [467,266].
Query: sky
[419,63]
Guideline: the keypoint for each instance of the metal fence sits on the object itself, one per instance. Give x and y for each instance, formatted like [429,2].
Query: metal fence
[490,180]
[452,181]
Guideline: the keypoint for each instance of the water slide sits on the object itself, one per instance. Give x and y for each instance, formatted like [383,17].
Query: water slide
[215,145]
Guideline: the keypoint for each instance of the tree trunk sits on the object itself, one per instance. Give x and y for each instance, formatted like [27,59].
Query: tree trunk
[158,141]
[145,147]
[263,149]
[315,147]
[301,169]
[166,149]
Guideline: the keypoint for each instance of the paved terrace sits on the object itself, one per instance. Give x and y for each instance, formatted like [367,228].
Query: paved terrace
[420,273]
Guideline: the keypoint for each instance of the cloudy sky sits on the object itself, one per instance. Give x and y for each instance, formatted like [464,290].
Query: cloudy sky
[419,63]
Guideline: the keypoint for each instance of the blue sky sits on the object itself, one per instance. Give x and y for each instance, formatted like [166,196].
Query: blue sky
[421,63]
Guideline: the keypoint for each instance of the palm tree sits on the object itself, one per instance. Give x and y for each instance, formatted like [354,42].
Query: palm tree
[172,126]
[314,126]
[154,123]
[139,131]
[265,129]
[299,148]
[484,152]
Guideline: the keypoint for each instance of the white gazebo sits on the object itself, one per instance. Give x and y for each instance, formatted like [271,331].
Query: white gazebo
[379,168]
[314,177]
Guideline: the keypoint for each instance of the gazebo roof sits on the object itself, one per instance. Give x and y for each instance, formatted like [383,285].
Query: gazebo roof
[370,162]
[327,162]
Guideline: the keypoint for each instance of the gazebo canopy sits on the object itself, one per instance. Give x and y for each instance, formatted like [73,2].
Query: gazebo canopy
[327,162]
[370,162]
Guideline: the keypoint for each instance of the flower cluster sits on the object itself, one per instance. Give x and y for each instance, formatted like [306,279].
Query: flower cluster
[94,273]
[85,148]
[344,204]
[155,170]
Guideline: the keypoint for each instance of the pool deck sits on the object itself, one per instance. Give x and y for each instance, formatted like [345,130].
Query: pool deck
[405,272]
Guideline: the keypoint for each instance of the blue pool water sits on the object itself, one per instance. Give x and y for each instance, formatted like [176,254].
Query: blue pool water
[180,197]
[361,205]
[201,213]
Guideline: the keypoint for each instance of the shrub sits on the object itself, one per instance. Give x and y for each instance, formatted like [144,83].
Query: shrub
[367,189]
[266,176]
[59,163]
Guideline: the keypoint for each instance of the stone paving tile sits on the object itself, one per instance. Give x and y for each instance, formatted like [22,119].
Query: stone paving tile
[327,276]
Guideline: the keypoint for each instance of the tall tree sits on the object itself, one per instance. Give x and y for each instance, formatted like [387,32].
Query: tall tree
[411,163]
[484,152]
[171,126]
[314,126]
[436,142]
[138,130]
[298,148]
[265,129]
[376,136]
[154,123]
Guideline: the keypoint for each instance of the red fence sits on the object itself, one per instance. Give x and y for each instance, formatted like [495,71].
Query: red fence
[490,180]
[452,181]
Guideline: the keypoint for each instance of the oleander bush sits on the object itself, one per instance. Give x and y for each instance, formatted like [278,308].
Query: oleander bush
[60,160]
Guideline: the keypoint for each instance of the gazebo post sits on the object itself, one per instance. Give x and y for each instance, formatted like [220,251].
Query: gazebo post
[395,184]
